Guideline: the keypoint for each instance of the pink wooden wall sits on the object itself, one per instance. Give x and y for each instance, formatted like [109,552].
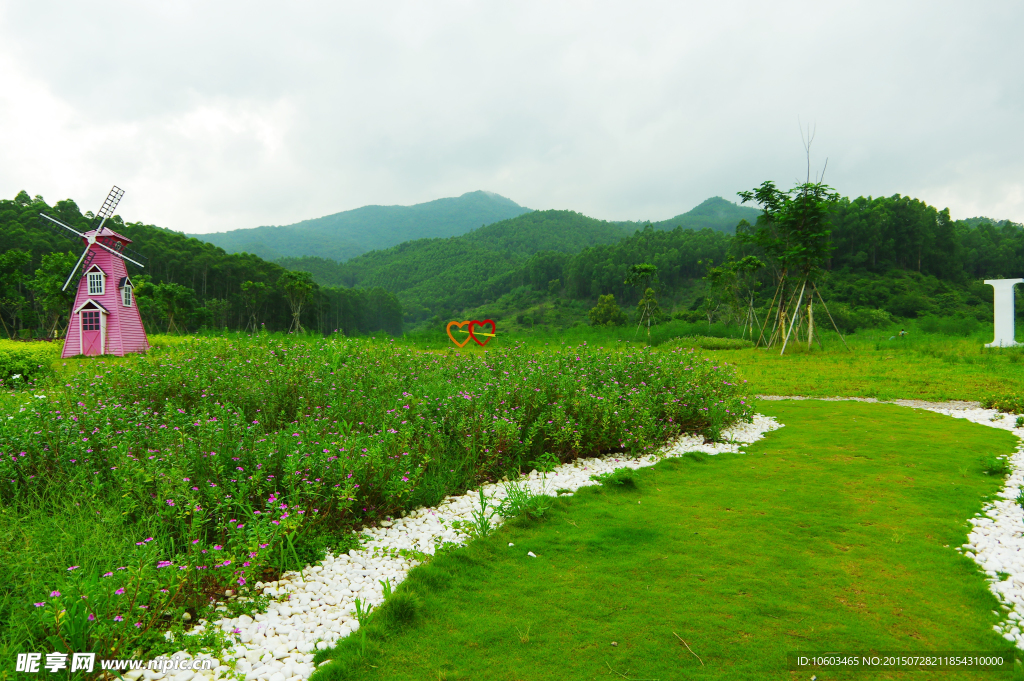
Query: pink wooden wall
[124,332]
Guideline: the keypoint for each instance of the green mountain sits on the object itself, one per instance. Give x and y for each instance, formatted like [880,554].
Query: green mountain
[715,213]
[436,274]
[345,235]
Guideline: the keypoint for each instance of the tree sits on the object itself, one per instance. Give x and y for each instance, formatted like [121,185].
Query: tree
[254,294]
[648,307]
[794,228]
[47,284]
[175,301]
[794,232]
[297,287]
[734,283]
[643,276]
[607,312]
[12,276]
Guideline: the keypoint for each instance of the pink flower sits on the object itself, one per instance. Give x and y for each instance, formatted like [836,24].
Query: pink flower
[54,594]
[74,567]
[108,574]
[120,591]
[91,617]
[217,547]
[118,618]
[39,605]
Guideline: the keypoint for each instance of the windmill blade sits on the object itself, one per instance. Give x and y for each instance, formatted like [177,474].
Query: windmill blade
[58,222]
[113,198]
[75,268]
[109,204]
[135,253]
[120,247]
[120,255]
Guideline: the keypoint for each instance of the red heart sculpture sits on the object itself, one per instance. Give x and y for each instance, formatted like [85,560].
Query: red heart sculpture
[494,330]
[448,329]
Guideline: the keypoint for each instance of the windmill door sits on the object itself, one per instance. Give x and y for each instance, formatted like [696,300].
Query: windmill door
[92,337]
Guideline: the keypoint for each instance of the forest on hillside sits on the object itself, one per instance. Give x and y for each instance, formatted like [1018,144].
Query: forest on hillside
[186,284]
[891,257]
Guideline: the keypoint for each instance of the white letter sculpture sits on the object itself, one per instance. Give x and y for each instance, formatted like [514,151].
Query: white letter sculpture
[1003,310]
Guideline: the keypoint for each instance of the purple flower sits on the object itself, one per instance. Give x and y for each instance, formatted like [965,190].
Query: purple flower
[138,625]
[108,574]
[91,617]
[39,605]
[74,567]
[241,581]
[120,591]
[54,594]
[163,564]
[217,547]
[118,618]
[170,502]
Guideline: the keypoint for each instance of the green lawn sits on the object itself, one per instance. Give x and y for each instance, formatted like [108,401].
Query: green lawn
[927,368]
[833,533]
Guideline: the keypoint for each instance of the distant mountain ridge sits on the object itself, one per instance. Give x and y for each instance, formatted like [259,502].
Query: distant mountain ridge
[345,235]
[442,263]
[715,213]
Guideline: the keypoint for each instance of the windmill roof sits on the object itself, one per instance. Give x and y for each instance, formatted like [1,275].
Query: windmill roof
[106,231]
[91,302]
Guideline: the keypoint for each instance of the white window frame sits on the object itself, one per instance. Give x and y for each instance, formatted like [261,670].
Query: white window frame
[126,295]
[102,282]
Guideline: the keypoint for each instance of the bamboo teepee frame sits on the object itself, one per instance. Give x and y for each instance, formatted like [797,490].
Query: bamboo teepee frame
[794,315]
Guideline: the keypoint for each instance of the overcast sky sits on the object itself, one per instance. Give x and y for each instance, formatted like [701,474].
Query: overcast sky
[225,115]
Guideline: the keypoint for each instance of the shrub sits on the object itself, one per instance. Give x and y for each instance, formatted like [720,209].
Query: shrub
[995,465]
[607,312]
[26,361]
[621,478]
[1008,402]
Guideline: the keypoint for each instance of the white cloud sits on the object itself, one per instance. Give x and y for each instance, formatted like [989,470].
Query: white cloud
[224,115]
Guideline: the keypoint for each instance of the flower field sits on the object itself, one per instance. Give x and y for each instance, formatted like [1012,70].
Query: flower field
[133,490]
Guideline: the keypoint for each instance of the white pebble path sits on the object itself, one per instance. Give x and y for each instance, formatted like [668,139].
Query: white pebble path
[278,645]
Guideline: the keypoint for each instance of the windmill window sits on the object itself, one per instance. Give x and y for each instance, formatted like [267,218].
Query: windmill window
[126,295]
[95,283]
[90,320]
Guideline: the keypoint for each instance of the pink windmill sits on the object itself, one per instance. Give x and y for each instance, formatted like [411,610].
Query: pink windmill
[104,318]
